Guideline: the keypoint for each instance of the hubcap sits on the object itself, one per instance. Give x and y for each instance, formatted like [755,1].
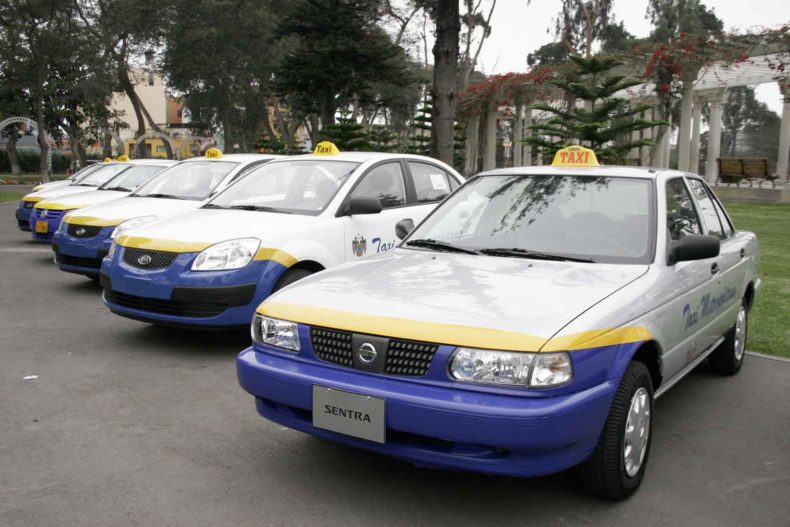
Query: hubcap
[740,334]
[637,431]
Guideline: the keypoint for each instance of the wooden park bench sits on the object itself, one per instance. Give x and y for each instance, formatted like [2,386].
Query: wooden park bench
[749,169]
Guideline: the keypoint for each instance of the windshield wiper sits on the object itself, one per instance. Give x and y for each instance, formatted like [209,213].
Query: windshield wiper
[260,208]
[536,255]
[159,195]
[439,246]
[120,189]
[82,185]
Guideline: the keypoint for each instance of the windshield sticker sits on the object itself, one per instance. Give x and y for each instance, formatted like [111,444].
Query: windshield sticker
[707,306]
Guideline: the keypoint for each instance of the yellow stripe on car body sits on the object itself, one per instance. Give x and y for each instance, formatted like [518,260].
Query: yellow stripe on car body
[91,221]
[59,206]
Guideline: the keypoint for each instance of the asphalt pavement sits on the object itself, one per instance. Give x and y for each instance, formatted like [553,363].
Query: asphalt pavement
[129,424]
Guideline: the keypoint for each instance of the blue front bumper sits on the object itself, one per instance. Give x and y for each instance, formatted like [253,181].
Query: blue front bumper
[81,255]
[435,422]
[23,215]
[53,219]
[179,296]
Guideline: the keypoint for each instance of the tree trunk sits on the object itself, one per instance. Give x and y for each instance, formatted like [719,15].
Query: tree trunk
[282,126]
[13,157]
[107,146]
[445,75]
[128,89]
[328,109]
[81,156]
[38,103]
[227,130]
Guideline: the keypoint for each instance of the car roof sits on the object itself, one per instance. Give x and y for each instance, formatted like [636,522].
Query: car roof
[239,158]
[603,170]
[151,162]
[362,157]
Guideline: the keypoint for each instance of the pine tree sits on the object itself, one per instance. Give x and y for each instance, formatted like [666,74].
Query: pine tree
[600,120]
[346,133]
[382,139]
[420,138]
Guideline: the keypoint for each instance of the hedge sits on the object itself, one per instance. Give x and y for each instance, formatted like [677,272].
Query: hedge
[30,164]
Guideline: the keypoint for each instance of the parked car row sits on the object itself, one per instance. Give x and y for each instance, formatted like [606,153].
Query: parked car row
[523,326]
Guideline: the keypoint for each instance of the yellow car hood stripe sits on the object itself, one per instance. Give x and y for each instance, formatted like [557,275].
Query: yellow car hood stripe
[175,246]
[59,206]
[91,221]
[450,334]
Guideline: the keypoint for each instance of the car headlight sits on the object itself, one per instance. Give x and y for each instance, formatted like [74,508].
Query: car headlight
[130,224]
[111,252]
[507,368]
[275,332]
[232,254]
[63,226]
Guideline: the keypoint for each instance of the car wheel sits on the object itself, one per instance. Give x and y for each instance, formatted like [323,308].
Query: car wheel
[727,359]
[290,276]
[618,463]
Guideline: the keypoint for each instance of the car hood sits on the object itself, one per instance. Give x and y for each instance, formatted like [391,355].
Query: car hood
[471,300]
[117,211]
[198,229]
[58,192]
[80,200]
[53,185]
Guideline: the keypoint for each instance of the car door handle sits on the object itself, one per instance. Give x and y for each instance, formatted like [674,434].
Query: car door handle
[714,268]
[743,252]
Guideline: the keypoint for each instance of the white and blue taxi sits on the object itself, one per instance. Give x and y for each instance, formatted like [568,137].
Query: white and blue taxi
[524,327]
[47,214]
[290,218]
[85,236]
[26,204]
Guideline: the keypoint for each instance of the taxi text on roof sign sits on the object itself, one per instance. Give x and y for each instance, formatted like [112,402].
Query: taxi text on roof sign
[108,160]
[326,148]
[575,156]
[213,153]
[122,158]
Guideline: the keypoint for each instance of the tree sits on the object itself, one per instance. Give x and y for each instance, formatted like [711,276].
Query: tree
[672,18]
[473,19]
[603,121]
[346,133]
[581,23]
[336,51]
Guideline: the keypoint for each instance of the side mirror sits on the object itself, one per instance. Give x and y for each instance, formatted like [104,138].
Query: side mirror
[364,205]
[403,228]
[693,247]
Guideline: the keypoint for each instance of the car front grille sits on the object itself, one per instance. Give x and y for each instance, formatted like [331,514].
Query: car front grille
[76,261]
[83,231]
[404,357]
[165,306]
[52,215]
[156,259]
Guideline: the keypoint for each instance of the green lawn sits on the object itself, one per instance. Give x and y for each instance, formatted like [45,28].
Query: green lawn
[769,325]
[9,196]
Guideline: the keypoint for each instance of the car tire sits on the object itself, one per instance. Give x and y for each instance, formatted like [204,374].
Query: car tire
[615,471]
[727,359]
[290,276]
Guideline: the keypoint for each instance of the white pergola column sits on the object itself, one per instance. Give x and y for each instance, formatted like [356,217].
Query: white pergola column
[684,127]
[518,135]
[716,98]
[784,132]
[647,133]
[489,155]
[472,139]
[695,129]
[527,149]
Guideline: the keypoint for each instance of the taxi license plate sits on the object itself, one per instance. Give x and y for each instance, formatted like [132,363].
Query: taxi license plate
[349,413]
[42,226]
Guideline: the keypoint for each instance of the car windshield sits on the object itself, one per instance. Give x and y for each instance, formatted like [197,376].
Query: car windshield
[192,180]
[102,175]
[84,172]
[128,180]
[553,217]
[303,186]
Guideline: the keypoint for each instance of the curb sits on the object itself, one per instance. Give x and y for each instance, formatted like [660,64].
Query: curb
[768,357]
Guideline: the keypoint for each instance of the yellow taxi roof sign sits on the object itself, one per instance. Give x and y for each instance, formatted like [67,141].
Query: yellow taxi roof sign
[213,153]
[108,160]
[122,158]
[326,148]
[575,156]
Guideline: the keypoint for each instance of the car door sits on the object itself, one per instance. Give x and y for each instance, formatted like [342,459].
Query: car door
[686,285]
[369,234]
[728,269]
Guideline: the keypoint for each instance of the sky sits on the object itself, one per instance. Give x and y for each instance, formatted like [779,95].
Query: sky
[519,28]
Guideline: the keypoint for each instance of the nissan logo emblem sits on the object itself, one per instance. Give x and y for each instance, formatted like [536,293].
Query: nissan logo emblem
[80,231]
[367,353]
[144,259]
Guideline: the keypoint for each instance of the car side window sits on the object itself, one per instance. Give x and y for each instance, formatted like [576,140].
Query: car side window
[682,219]
[431,183]
[385,182]
[725,222]
[710,218]
[246,170]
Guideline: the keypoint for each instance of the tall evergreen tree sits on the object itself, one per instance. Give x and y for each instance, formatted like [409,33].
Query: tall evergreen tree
[346,133]
[600,120]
